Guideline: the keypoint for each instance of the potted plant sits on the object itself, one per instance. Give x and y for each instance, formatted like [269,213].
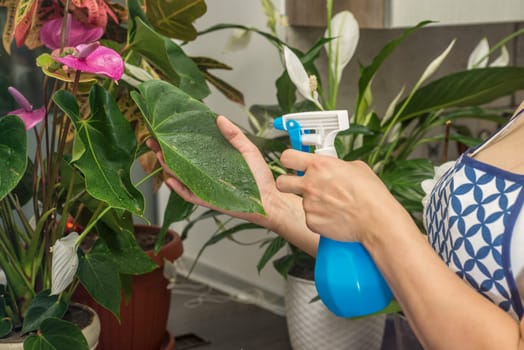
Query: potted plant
[388,143]
[112,75]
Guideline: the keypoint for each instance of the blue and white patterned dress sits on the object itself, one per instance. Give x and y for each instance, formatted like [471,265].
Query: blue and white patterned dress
[475,222]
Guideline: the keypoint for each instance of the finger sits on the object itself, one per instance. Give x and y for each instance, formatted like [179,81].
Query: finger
[293,159]
[234,135]
[290,184]
[152,144]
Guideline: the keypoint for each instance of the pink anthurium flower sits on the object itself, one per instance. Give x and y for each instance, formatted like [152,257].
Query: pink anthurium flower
[76,33]
[96,59]
[26,113]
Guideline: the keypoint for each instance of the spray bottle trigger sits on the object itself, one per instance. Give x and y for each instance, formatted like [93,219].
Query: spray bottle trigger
[295,135]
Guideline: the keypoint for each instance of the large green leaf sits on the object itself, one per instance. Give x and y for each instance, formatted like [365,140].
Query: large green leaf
[13,153]
[175,19]
[273,248]
[120,244]
[195,150]
[466,88]
[169,58]
[56,334]
[367,73]
[99,275]
[41,308]
[104,150]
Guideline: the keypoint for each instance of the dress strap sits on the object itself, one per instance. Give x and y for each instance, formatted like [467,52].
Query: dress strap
[499,134]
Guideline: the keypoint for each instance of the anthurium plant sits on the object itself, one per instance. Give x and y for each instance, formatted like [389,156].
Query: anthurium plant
[425,113]
[112,75]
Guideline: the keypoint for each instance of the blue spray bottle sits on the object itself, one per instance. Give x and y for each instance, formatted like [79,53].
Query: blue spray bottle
[346,278]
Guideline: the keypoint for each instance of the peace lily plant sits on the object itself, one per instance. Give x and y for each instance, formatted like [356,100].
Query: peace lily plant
[427,112]
[113,75]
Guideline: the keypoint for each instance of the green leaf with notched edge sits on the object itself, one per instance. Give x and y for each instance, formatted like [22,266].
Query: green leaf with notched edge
[13,153]
[41,308]
[99,275]
[195,150]
[174,19]
[107,152]
[165,55]
[56,334]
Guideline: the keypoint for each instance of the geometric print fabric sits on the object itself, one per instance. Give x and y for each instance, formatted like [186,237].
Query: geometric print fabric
[469,224]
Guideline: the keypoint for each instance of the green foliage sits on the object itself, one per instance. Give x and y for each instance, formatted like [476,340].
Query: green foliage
[175,19]
[13,153]
[79,177]
[221,178]
[56,334]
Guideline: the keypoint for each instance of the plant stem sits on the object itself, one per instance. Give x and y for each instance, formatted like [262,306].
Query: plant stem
[148,176]
[92,223]
[331,75]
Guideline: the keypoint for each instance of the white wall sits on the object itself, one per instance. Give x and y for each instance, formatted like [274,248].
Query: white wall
[227,265]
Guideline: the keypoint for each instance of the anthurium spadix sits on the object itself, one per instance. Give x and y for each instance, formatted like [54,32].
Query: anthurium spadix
[344,30]
[64,263]
[298,75]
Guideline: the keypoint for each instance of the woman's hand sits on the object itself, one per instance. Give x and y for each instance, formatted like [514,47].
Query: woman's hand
[342,200]
[284,214]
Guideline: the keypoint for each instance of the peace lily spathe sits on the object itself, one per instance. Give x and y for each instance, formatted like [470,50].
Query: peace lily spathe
[299,77]
[169,272]
[480,55]
[345,31]
[64,263]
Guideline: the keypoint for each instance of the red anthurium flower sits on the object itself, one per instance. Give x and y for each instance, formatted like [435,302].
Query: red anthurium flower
[26,113]
[76,33]
[96,59]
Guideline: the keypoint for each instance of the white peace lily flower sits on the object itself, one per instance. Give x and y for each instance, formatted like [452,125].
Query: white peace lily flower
[169,273]
[298,76]
[479,56]
[64,263]
[130,80]
[502,60]
[480,51]
[138,73]
[435,64]
[238,40]
[345,31]
[3,278]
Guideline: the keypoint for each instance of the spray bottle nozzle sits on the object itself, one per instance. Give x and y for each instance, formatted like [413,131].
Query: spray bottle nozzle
[317,129]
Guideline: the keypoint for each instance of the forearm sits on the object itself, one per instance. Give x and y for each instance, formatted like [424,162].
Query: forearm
[444,312]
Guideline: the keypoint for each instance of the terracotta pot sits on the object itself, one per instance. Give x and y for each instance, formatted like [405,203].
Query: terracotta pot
[143,319]
[91,332]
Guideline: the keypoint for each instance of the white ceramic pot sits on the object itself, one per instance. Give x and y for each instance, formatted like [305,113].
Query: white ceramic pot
[312,326]
[91,333]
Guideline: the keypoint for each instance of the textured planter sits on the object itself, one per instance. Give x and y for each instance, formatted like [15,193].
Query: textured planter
[143,319]
[312,326]
[91,331]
